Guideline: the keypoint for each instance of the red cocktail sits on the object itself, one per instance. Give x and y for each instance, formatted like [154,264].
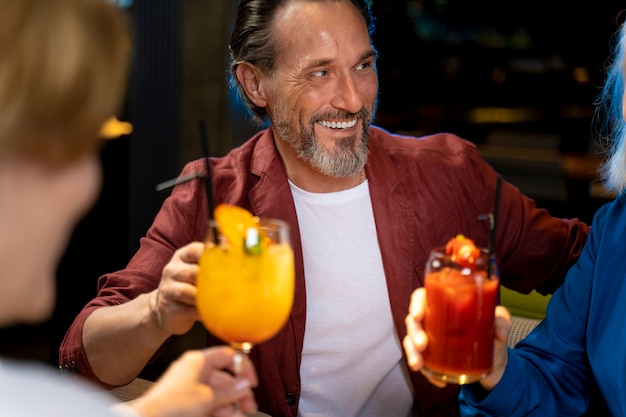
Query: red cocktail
[461,298]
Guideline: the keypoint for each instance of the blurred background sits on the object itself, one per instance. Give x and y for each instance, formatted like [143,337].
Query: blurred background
[518,78]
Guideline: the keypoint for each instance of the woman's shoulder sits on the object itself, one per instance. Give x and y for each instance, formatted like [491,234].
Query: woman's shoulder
[608,227]
[31,389]
[612,213]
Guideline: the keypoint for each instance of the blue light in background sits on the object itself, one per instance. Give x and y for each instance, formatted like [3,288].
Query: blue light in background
[123,3]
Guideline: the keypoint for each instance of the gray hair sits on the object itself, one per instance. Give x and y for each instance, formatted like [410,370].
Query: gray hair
[610,120]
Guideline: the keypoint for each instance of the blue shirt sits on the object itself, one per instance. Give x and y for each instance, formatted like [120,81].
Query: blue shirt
[580,347]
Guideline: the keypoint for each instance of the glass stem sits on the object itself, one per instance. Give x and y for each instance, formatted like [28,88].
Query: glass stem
[241,350]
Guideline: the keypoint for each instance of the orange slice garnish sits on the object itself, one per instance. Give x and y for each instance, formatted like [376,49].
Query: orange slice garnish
[239,227]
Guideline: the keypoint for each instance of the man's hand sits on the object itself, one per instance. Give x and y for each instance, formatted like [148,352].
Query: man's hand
[173,304]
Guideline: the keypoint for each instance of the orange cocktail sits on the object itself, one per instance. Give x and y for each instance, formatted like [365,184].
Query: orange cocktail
[245,298]
[246,278]
[459,317]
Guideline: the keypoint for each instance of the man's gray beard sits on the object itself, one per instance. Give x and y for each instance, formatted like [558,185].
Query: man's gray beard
[345,162]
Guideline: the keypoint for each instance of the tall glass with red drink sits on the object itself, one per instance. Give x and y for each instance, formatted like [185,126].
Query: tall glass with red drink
[461,296]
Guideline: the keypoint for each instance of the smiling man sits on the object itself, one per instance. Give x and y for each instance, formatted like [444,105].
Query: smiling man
[320,95]
[365,208]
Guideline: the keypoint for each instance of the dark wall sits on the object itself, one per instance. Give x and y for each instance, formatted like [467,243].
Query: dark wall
[438,59]
[460,66]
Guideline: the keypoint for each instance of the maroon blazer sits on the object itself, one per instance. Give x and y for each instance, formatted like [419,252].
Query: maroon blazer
[424,191]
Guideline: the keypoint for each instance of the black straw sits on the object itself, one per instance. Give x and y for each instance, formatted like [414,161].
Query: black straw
[204,141]
[166,185]
[493,217]
[494,221]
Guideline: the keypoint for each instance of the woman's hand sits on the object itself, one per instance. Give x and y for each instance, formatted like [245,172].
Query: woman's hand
[416,340]
[500,350]
[201,383]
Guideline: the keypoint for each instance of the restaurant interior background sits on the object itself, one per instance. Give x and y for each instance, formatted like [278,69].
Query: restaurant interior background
[518,78]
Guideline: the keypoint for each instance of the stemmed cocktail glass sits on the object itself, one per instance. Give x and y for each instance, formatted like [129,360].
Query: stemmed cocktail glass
[246,279]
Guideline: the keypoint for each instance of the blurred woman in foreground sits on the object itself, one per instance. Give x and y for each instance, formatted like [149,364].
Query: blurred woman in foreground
[63,70]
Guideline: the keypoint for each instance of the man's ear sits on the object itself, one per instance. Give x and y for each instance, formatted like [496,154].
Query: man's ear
[250,78]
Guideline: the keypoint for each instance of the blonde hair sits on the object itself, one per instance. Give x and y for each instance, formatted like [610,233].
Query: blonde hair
[63,71]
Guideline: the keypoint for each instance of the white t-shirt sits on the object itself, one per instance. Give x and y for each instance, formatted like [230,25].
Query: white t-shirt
[352,361]
[30,389]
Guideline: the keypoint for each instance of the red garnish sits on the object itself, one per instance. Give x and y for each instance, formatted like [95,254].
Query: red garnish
[462,250]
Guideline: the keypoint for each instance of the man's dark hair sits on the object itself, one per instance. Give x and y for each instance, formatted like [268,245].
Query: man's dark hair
[253,40]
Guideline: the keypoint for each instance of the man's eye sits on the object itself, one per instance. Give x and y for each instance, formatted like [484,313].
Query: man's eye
[320,73]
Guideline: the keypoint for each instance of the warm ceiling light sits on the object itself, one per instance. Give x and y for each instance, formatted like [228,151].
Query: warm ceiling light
[113,128]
